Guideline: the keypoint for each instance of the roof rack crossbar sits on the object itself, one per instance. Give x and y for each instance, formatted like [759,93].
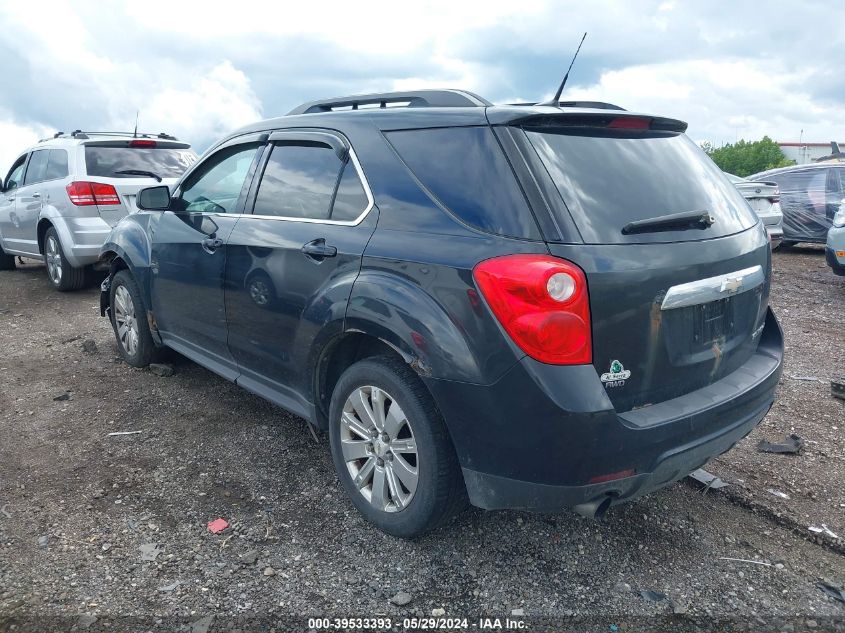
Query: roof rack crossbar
[414,99]
[83,134]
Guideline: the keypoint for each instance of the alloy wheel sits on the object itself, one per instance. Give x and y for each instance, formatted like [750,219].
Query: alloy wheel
[379,449]
[125,320]
[53,259]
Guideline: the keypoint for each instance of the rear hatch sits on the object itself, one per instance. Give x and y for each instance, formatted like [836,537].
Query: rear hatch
[132,165]
[677,265]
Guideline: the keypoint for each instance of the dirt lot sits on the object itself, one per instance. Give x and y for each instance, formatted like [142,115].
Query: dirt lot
[109,533]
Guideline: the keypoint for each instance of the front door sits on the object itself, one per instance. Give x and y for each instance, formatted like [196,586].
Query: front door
[8,198]
[291,264]
[189,255]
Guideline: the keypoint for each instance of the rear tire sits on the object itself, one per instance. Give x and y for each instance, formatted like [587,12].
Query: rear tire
[7,262]
[129,321]
[403,478]
[61,274]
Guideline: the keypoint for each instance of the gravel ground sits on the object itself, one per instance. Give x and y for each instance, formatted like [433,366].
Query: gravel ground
[103,532]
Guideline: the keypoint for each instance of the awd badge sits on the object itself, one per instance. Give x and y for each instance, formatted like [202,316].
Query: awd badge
[617,375]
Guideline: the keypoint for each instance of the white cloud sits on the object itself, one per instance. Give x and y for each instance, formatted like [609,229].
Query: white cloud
[15,139]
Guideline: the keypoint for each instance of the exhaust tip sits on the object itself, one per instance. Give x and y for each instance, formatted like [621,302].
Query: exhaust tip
[594,509]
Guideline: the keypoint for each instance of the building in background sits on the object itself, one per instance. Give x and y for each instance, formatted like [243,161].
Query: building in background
[803,153]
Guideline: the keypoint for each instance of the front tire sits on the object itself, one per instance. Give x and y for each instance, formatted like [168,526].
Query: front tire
[391,449]
[61,274]
[129,321]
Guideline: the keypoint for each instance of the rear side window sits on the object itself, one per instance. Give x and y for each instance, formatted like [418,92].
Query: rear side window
[163,161]
[608,179]
[800,181]
[465,170]
[310,182]
[37,167]
[56,165]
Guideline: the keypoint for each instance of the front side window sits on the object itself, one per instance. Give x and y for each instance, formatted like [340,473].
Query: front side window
[216,185]
[13,180]
[37,168]
[309,181]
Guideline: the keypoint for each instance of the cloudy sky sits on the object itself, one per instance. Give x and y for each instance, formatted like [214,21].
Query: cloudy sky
[732,69]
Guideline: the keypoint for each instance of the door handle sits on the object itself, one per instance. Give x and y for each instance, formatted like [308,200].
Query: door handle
[211,244]
[36,195]
[317,249]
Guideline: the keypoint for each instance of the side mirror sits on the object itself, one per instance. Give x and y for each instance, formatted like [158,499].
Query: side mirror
[154,198]
[1,184]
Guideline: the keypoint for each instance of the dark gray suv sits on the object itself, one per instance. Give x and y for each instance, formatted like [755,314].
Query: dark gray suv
[525,307]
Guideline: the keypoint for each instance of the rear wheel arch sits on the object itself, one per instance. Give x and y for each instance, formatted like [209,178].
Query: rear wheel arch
[340,354]
[44,225]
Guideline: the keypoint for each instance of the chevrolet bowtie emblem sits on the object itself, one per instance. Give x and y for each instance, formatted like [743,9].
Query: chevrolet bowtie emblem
[731,284]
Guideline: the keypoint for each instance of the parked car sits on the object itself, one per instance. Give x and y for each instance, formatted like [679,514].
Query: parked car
[835,247]
[62,196]
[764,200]
[809,196]
[527,307]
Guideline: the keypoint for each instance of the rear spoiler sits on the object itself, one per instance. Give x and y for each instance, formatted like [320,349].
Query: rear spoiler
[140,143]
[617,120]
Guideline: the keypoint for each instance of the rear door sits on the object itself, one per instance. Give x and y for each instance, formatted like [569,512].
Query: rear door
[803,201]
[189,254]
[674,308]
[292,262]
[29,200]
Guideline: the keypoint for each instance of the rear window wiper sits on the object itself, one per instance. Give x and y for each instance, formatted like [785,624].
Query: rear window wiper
[139,172]
[674,222]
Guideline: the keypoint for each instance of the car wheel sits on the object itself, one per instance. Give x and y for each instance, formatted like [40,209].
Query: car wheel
[129,321]
[7,262]
[391,449]
[62,275]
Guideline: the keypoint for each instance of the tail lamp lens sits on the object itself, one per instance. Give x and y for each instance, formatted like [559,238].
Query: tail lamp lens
[542,303]
[86,194]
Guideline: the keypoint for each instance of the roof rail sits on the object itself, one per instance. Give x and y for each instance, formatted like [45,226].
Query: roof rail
[412,99]
[83,135]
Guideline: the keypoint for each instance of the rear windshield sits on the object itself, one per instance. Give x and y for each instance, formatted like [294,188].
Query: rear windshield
[608,179]
[162,161]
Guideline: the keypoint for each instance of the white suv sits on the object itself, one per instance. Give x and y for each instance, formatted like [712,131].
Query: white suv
[62,197]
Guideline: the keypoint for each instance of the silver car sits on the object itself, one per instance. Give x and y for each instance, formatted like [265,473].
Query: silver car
[62,197]
[835,247]
[765,200]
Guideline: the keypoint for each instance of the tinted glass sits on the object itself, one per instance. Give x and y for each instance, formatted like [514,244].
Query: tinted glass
[610,179]
[37,167]
[801,181]
[14,178]
[466,171]
[216,185]
[166,163]
[350,200]
[56,164]
[298,182]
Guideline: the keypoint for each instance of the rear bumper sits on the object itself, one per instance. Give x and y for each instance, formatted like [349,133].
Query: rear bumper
[536,439]
[775,235]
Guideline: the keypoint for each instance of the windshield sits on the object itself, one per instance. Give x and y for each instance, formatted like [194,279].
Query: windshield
[609,179]
[162,161]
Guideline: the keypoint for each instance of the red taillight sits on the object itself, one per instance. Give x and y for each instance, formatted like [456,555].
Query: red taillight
[143,143]
[543,304]
[629,123]
[86,194]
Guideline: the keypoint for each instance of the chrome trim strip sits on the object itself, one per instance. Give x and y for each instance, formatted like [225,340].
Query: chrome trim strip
[713,288]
